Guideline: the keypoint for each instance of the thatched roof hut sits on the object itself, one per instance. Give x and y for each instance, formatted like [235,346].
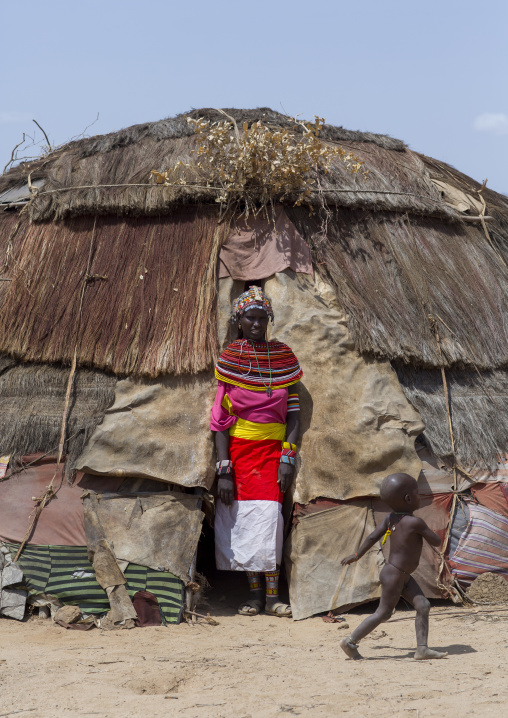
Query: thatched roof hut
[102,264]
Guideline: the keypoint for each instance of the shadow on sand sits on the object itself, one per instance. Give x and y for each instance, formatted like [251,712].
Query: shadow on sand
[456,649]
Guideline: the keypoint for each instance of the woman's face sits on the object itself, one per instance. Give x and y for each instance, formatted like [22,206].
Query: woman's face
[253,323]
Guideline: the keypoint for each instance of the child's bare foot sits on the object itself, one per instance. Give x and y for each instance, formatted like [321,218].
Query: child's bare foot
[424,653]
[350,649]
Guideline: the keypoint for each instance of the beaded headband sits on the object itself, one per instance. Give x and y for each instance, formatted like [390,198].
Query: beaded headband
[253,298]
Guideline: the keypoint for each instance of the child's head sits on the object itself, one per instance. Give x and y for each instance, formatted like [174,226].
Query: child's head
[400,492]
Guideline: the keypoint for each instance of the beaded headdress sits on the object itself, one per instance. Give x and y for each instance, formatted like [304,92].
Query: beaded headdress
[253,298]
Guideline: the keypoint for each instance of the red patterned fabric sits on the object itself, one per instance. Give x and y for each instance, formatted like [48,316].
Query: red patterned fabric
[493,496]
[256,467]
[483,546]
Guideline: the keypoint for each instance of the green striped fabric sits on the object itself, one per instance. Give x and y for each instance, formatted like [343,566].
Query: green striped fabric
[66,572]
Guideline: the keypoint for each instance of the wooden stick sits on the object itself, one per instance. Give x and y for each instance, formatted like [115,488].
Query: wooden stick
[478,218]
[340,190]
[13,158]
[208,619]
[45,135]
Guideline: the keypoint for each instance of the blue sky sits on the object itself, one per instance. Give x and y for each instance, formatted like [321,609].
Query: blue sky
[433,74]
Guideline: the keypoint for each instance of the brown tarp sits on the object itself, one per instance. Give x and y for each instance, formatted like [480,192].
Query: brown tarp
[317,581]
[107,571]
[61,521]
[160,531]
[156,430]
[357,425]
[325,531]
[259,247]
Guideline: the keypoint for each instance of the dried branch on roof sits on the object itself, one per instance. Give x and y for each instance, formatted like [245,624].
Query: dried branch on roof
[259,165]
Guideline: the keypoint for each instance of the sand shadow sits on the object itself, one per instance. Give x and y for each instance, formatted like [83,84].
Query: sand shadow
[457,649]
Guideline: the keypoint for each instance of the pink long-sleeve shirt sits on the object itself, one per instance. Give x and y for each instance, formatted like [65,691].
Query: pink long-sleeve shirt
[254,406]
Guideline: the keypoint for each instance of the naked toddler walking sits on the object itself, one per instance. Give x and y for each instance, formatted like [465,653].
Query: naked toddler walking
[406,533]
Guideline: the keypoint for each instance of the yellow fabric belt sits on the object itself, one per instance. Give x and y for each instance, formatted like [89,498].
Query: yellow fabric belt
[244,429]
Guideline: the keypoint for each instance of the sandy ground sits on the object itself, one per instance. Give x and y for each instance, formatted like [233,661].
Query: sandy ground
[262,666]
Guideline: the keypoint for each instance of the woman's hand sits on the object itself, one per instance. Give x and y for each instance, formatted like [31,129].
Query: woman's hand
[349,559]
[225,489]
[285,477]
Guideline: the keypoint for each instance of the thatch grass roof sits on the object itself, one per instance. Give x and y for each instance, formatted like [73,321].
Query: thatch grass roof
[133,295]
[396,275]
[112,171]
[33,400]
[398,254]
[478,403]
[395,250]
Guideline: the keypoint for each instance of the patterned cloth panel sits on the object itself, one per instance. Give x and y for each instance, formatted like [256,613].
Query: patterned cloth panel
[482,547]
[66,572]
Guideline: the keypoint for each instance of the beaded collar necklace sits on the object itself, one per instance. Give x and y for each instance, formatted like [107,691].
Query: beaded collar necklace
[268,386]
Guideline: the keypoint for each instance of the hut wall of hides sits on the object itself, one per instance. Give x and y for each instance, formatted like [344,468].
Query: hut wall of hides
[156,429]
[357,425]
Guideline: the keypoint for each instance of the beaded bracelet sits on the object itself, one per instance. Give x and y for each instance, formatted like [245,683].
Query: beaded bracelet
[223,468]
[288,455]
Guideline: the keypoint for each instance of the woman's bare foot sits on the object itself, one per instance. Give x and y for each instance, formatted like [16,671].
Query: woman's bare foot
[350,649]
[424,653]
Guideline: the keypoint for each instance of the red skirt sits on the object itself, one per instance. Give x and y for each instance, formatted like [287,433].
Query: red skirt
[256,469]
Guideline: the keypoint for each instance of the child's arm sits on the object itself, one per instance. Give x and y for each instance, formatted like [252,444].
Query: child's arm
[369,542]
[430,536]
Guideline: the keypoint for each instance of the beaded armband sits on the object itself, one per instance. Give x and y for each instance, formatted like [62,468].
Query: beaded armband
[288,455]
[223,468]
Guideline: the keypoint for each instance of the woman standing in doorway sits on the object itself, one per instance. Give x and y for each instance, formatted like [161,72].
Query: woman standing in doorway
[256,420]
